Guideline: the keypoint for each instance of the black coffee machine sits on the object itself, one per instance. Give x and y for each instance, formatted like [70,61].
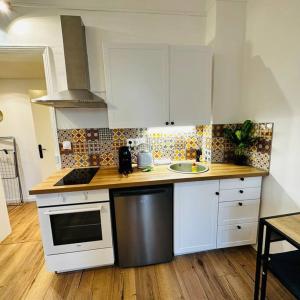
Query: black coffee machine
[125,163]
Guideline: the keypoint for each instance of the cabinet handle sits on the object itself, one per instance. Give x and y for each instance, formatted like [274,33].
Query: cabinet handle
[239,227]
[172,123]
[217,193]
[241,191]
[242,179]
[240,204]
[167,123]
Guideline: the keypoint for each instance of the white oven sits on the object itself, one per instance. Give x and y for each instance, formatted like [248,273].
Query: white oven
[75,227]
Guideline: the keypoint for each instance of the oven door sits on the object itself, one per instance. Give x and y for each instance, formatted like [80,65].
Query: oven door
[75,227]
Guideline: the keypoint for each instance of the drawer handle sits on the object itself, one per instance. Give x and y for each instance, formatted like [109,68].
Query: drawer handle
[242,179]
[217,193]
[240,204]
[239,227]
[241,191]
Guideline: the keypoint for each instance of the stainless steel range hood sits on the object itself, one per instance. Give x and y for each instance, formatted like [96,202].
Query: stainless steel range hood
[78,93]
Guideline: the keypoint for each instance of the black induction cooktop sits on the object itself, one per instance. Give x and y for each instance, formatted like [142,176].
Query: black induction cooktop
[78,176]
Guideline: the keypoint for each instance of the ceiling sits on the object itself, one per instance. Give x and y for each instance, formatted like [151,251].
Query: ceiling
[21,65]
[151,6]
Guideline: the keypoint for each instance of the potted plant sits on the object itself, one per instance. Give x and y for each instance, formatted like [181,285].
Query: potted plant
[242,138]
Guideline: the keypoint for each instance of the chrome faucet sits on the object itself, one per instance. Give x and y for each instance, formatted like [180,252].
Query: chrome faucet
[198,151]
[198,154]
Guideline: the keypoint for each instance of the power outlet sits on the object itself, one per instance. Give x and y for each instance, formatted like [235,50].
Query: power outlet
[130,143]
[133,143]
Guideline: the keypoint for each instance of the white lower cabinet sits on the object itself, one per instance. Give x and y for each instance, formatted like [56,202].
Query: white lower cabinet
[239,204]
[195,216]
[237,235]
[215,214]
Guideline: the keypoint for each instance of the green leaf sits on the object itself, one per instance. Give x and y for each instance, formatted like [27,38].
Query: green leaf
[242,137]
[230,134]
[238,134]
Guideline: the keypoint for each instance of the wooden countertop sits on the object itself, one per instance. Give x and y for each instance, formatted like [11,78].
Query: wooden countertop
[288,225]
[110,178]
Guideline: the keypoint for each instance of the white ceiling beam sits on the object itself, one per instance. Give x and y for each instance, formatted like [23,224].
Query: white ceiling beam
[76,5]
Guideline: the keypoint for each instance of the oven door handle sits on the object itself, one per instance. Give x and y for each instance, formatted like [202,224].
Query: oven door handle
[70,211]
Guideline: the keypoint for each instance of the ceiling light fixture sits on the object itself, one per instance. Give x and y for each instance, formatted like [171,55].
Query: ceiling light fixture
[5,7]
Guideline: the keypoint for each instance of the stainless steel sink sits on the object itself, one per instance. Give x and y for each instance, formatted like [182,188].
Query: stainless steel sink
[187,167]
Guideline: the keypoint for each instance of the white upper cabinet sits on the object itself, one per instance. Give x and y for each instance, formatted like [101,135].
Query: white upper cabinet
[152,85]
[137,85]
[190,85]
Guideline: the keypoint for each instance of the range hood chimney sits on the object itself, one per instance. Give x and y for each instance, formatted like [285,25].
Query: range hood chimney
[78,93]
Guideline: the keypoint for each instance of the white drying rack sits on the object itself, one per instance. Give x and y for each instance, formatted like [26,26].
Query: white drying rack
[9,171]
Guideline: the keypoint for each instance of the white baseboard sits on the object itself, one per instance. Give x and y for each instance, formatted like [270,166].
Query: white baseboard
[30,198]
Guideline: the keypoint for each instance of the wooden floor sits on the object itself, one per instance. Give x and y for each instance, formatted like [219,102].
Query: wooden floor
[220,274]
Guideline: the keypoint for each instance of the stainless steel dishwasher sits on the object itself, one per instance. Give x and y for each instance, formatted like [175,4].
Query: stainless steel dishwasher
[143,225]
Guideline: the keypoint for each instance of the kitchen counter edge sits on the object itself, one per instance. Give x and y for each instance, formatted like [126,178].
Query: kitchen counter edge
[108,178]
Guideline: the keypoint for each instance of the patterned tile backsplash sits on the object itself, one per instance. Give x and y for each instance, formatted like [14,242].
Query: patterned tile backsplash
[99,146]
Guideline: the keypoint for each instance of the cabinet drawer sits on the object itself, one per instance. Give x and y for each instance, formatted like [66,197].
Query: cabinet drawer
[237,235]
[72,197]
[238,212]
[239,194]
[240,183]
[97,195]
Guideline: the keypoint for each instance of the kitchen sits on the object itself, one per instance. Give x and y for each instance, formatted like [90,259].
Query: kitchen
[140,75]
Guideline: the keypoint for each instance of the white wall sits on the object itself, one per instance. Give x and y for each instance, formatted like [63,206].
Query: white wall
[5,228]
[111,25]
[225,33]
[69,118]
[18,122]
[228,46]
[271,92]
[210,27]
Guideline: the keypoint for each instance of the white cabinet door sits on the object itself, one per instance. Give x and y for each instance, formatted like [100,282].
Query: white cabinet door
[137,85]
[195,216]
[190,85]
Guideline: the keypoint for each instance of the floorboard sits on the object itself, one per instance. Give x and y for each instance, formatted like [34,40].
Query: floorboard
[214,275]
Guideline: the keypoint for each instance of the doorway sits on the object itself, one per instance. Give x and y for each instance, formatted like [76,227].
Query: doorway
[22,77]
